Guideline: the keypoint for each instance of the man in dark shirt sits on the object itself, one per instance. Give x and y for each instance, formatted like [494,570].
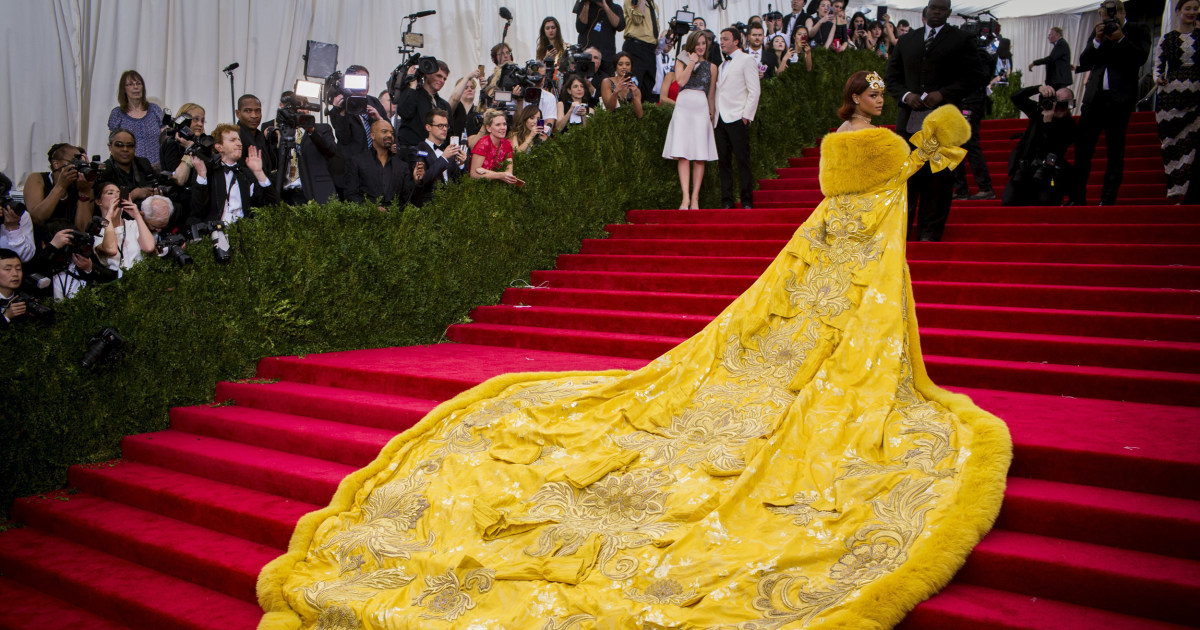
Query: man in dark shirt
[249,115]
[598,23]
[416,102]
[1058,62]
[1031,181]
[381,175]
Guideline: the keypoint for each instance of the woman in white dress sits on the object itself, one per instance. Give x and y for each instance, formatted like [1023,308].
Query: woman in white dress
[690,139]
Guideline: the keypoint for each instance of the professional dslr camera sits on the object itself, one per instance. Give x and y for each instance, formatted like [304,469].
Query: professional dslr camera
[34,309]
[353,88]
[580,4]
[82,243]
[88,170]
[1111,25]
[1050,103]
[6,201]
[103,348]
[172,246]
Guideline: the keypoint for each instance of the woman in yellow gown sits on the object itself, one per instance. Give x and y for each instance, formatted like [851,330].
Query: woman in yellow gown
[790,466]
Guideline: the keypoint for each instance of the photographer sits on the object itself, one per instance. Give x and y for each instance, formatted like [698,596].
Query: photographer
[10,281]
[70,258]
[1058,62]
[156,214]
[641,36]
[17,232]
[1114,55]
[420,97]
[354,129]
[62,193]
[236,186]
[1038,172]
[598,24]
[127,171]
[381,175]
[171,146]
[126,237]
[441,167]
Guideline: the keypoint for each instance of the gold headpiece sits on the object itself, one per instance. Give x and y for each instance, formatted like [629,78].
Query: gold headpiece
[874,81]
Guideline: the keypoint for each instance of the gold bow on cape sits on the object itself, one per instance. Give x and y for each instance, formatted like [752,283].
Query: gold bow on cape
[938,155]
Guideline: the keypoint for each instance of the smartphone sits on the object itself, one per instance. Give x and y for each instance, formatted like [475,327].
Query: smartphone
[454,141]
[124,195]
[481,74]
[541,122]
[881,11]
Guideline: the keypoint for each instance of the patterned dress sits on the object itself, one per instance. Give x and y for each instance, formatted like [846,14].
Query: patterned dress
[1177,107]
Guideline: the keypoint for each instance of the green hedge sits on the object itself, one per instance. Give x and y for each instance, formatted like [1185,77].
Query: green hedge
[343,276]
[1002,105]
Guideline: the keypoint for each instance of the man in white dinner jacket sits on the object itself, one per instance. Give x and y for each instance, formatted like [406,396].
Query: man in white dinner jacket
[737,101]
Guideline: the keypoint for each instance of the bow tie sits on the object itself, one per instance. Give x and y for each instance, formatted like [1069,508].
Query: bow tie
[227,168]
[728,57]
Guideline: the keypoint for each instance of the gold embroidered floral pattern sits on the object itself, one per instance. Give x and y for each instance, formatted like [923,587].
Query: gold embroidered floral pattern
[713,434]
[570,623]
[359,586]
[338,618]
[802,510]
[447,599]
[391,510]
[662,592]
[623,509]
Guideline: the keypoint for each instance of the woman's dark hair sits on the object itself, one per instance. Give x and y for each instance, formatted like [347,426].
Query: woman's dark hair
[621,54]
[544,44]
[520,129]
[122,99]
[565,92]
[857,15]
[497,52]
[855,85]
[1004,48]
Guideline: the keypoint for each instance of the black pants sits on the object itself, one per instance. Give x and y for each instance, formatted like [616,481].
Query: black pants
[733,140]
[975,156]
[1023,190]
[1103,114]
[644,66]
[929,196]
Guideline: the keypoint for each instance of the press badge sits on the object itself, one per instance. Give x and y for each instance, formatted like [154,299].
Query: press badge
[597,29]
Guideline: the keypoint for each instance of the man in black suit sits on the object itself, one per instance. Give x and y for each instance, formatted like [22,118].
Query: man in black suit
[233,190]
[440,166]
[309,171]
[1114,54]
[353,129]
[1058,62]
[416,101]
[249,116]
[931,66]
[381,176]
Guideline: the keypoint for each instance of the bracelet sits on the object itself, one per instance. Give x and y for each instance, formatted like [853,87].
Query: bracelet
[84,198]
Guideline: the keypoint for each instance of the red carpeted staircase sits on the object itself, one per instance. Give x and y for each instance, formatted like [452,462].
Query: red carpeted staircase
[1078,326]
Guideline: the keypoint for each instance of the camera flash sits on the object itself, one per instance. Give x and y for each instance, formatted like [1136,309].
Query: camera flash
[308,89]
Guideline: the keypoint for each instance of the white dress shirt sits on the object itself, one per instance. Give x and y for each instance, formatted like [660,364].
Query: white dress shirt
[19,240]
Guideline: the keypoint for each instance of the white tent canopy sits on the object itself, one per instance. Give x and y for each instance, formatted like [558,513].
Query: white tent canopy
[64,57]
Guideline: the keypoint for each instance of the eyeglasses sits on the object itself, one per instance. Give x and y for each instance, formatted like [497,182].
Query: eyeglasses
[122,145]
[134,84]
[440,125]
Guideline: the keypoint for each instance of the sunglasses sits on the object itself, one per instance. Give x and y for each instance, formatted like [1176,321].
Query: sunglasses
[123,145]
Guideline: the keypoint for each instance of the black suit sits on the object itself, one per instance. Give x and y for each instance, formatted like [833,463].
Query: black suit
[318,150]
[435,167]
[950,65]
[208,200]
[367,178]
[413,106]
[350,130]
[1108,110]
[256,138]
[1058,65]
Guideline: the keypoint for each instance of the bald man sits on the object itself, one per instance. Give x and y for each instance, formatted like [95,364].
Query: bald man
[380,175]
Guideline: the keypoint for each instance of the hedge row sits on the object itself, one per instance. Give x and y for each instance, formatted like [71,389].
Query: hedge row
[343,276]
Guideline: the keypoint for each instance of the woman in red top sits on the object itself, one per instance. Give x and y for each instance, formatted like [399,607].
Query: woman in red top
[493,150]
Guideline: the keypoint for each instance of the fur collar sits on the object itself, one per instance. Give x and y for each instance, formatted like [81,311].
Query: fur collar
[860,161]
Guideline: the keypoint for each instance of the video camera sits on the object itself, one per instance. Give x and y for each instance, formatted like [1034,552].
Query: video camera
[290,116]
[681,25]
[986,33]
[353,88]
[581,62]
[401,80]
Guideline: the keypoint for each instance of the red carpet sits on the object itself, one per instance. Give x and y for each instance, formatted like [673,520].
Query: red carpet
[1080,327]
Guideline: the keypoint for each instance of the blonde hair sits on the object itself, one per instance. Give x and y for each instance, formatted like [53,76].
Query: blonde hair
[490,116]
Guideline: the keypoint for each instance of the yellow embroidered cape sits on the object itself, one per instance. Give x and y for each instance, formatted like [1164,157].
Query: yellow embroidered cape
[789,466]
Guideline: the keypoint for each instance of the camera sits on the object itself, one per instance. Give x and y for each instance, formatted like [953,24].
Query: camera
[6,201]
[180,125]
[401,80]
[33,308]
[353,88]
[172,246]
[200,230]
[290,115]
[1111,25]
[1045,167]
[88,170]
[581,62]
[103,347]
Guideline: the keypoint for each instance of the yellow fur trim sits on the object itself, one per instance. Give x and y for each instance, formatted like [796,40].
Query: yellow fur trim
[858,161]
[948,124]
[279,616]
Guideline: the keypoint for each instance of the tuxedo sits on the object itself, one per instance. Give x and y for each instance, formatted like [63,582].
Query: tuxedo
[209,196]
[738,90]
[1108,102]
[949,63]
[367,178]
[1058,65]
[438,170]
[790,22]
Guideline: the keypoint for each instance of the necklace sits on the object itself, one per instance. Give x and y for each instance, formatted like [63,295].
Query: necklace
[862,118]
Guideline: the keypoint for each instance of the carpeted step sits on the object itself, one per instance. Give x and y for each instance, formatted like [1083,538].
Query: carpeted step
[116,589]
[1106,443]
[1153,173]
[768,189]
[1110,215]
[260,517]
[1079,253]
[1102,516]
[24,608]
[1000,318]
[997,162]
[999,151]
[1130,582]
[306,479]
[400,370]
[967,607]
[792,200]
[348,444]
[223,563]
[1001,294]
[1146,276]
[368,409]
[1069,380]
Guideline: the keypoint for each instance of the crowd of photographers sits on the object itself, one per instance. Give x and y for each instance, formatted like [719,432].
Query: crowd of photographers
[167,182]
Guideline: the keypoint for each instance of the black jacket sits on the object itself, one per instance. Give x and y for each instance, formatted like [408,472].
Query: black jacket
[351,135]
[318,150]
[1122,60]
[208,200]
[1040,137]
[414,104]
[951,66]
[1058,64]
[367,179]
[256,138]
[434,168]
[140,175]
